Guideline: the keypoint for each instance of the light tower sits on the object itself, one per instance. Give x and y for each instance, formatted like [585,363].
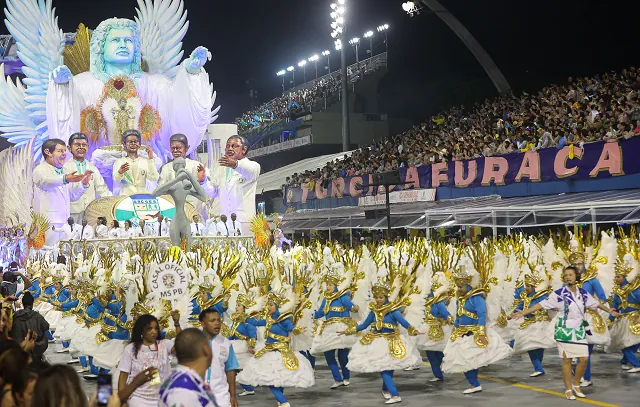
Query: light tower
[339,26]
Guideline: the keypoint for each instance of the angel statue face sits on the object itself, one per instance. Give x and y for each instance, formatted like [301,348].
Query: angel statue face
[116,49]
[118,46]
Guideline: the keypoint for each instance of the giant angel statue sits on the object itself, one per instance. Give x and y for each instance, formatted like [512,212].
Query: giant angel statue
[124,75]
[134,78]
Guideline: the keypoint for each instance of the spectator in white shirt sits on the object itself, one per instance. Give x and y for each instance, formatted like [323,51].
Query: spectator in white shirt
[128,230]
[72,229]
[115,232]
[102,231]
[145,230]
[86,231]
[197,227]
[212,225]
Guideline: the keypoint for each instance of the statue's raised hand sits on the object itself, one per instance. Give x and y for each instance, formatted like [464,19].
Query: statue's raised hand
[198,58]
[61,74]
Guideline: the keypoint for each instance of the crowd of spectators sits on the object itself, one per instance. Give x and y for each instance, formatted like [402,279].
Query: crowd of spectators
[603,107]
[291,104]
[294,103]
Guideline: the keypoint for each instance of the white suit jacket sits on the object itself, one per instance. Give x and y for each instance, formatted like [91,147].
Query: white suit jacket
[236,189]
[51,196]
[87,232]
[200,229]
[72,233]
[168,174]
[134,181]
[97,187]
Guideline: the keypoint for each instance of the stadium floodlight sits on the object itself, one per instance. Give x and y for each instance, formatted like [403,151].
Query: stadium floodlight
[383,29]
[282,72]
[314,59]
[341,10]
[338,45]
[410,8]
[303,64]
[334,15]
[369,35]
[290,69]
[341,2]
[327,54]
[355,42]
[334,6]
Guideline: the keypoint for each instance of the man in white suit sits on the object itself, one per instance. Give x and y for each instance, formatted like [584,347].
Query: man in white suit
[179,145]
[54,190]
[197,227]
[235,181]
[132,172]
[79,145]
[161,227]
[72,229]
[86,231]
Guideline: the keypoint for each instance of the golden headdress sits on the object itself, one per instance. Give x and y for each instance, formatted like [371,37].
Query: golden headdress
[335,274]
[247,300]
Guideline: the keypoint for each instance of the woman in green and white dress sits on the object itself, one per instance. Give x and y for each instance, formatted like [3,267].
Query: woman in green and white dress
[570,334]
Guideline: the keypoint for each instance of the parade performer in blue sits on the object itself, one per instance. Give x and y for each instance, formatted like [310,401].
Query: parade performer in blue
[242,334]
[472,344]
[276,364]
[625,329]
[336,308]
[385,349]
[437,324]
[535,332]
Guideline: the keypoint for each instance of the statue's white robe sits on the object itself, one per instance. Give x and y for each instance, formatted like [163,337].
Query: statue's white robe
[184,104]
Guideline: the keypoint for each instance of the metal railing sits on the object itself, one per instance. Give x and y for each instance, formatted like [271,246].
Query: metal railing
[72,249]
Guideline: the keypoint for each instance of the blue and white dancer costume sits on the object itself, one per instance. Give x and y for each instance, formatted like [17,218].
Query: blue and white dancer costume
[384,349]
[276,364]
[536,331]
[437,325]
[625,329]
[473,344]
[243,335]
[336,308]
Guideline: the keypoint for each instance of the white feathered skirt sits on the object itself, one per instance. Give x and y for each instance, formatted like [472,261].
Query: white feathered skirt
[53,317]
[430,341]
[109,353]
[597,338]
[330,340]
[376,356]
[241,349]
[463,354]
[67,328]
[269,370]
[538,335]
[621,336]
[84,342]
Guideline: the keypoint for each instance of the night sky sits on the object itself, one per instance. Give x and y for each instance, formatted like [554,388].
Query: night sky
[532,42]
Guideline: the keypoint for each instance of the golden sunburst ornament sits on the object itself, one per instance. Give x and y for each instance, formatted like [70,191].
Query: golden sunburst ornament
[38,230]
[261,230]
